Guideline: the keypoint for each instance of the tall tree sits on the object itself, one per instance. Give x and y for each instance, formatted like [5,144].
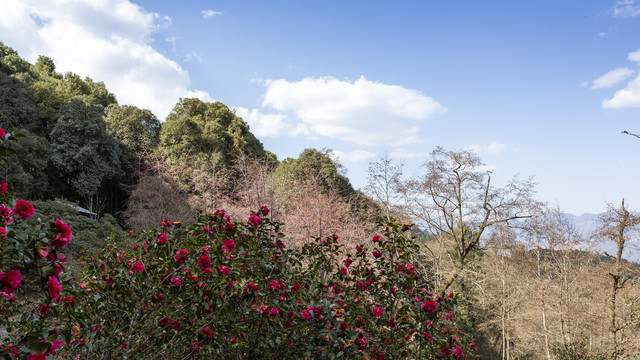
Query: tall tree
[618,226]
[455,199]
[82,150]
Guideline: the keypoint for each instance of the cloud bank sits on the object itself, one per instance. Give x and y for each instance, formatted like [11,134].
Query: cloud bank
[629,96]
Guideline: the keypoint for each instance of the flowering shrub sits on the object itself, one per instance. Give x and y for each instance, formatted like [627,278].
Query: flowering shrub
[221,289]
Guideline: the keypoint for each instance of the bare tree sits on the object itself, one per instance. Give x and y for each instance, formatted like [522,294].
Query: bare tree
[383,179]
[618,225]
[455,199]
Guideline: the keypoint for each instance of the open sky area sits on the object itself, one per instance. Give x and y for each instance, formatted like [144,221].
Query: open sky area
[538,88]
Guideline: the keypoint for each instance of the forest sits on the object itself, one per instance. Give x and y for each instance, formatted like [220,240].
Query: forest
[495,273]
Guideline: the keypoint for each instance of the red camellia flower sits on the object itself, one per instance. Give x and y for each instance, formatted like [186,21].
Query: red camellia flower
[24,209]
[54,288]
[63,237]
[137,267]
[377,311]
[306,314]
[36,357]
[458,352]
[3,234]
[2,132]
[223,269]
[162,238]
[204,262]
[362,343]
[429,306]
[166,223]
[181,256]
[254,219]
[376,238]
[264,210]
[376,254]
[3,187]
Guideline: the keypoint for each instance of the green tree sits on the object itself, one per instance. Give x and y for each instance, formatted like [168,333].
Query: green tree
[18,107]
[82,150]
[28,172]
[135,128]
[196,129]
[11,62]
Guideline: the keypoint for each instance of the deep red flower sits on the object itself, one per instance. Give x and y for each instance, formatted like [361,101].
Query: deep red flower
[137,267]
[377,311]
[36,357]
[3,186]
[204,262]
[429,306]
[458,352]
[24,209]
[5,215]
[166,223]
[223,269]
[376,238]
[376,254]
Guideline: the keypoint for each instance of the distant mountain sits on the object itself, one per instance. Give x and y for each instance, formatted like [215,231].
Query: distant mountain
[587,224]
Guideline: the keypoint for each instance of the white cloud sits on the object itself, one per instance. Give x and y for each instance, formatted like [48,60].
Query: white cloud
[209,13]
[108,40]
[495,148]
[612,78]
[269,125]
[352,156]
[626,8]
[362,112]
[629,97]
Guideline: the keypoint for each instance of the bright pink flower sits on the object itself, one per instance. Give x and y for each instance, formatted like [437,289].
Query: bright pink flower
[166,223]
[181,256]
[223,269]
[63,235]
[306,314]
[204,262]
[55,345]
[348,262]
[274,312]
[207,332]
[137,267]
[376,254]
[11,280]
[3,187]
[429,306]
[3,234]
[162,238]
[54,287]
[458,352]
[24,209]
[254,219]
[2,132]
[228,246]
[295,286]
[376,238]
[377,311]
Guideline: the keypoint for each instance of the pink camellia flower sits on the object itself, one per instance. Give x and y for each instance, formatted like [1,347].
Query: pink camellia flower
[376,254]
[228,246]
[264,210]
[162,238]
[55,345]
[24,209]
[223,269]
[377,311]
[3,188]
[5,215]
[306,314]
[2,132]
[166,223]
[63,237]
[3,234]
[181,256]
[54,288]
[11,281]
[204,262]
[254,219]
[137,267]
[36,357]
[274,312]
[376,238]
[348,262]
[458,352]
[429,306]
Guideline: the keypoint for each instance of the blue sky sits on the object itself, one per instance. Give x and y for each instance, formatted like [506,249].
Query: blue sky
[538,88]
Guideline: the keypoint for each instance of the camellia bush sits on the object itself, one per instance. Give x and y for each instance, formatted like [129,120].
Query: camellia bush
[222,289]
